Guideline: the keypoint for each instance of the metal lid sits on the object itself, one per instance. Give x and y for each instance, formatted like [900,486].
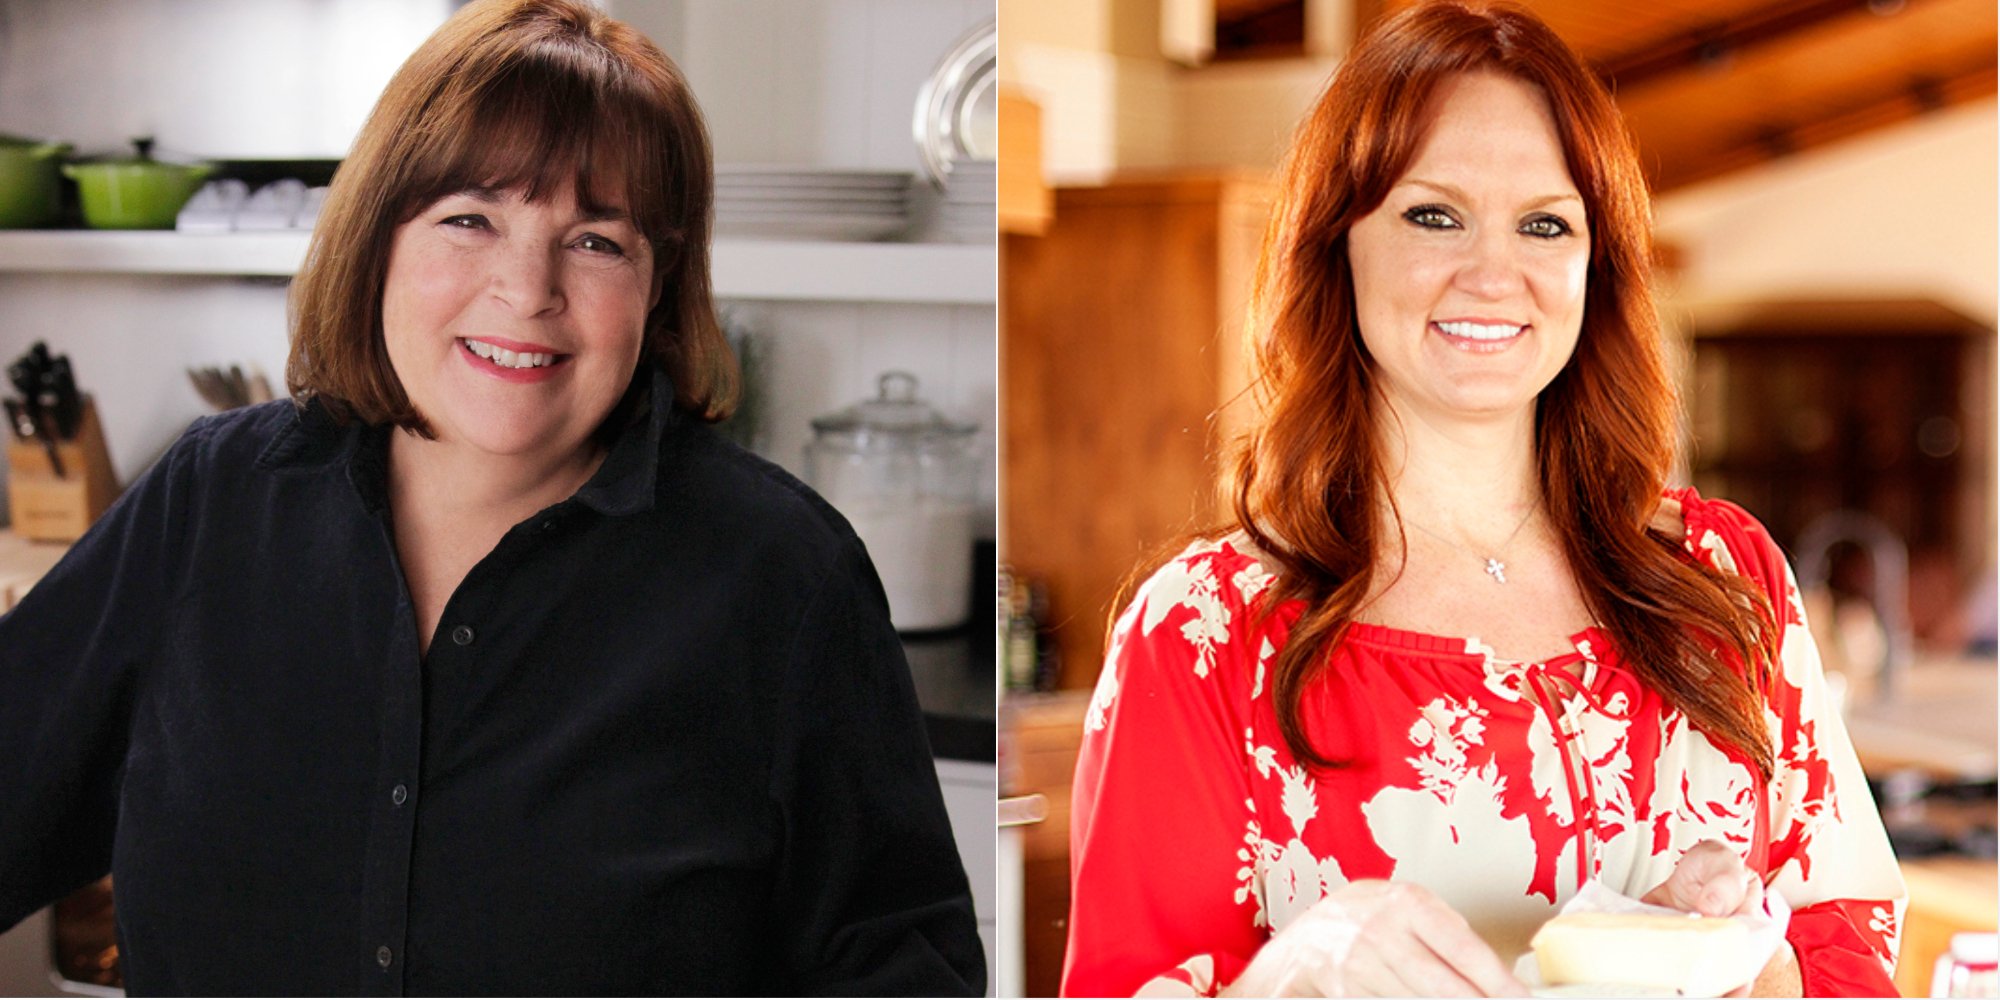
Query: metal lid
[895,411]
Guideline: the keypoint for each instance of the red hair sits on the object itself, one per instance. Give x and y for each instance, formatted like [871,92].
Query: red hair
[1309,475]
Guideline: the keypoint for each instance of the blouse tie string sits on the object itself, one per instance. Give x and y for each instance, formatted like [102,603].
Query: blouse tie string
[1593,689]
[1583,800]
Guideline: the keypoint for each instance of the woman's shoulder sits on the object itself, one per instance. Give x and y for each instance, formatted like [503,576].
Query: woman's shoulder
[708,478]
[1230,566]
[1726,536]
[256,422]
[1207,599]
[259,434]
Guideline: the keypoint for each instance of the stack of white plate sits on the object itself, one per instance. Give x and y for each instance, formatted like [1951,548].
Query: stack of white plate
[971,197]
[807,203]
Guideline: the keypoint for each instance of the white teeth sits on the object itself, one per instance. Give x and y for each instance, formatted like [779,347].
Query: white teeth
[1481,331]
[509,359]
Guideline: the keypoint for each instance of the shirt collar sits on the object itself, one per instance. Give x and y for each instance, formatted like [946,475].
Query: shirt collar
[629,479]
[626,483]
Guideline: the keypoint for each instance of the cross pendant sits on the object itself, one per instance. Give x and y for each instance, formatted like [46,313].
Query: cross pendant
[1497,569]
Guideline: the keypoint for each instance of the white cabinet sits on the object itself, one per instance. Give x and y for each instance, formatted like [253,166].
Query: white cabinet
[971,792]
[25,970]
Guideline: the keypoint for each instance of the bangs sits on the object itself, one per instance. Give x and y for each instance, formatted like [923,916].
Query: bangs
[554,116]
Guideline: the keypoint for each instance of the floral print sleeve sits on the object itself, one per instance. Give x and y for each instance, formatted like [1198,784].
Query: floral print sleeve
[1827,851]
[1160,795]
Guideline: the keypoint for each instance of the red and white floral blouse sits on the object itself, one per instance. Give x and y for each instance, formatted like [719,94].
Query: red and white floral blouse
[1500,786]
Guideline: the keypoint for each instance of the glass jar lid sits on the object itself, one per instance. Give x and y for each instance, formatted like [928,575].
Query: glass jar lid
[895,412]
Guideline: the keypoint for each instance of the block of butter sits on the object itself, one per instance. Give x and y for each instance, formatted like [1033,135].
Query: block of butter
[1641,953]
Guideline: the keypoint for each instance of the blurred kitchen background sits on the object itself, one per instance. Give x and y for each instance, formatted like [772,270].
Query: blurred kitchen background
[1825,185]
[844,252]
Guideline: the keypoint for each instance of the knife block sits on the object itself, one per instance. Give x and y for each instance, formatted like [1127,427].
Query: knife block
[60,508]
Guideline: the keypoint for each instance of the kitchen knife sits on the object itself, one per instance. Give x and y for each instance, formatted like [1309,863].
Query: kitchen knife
[24,376]
[44,431]
[18,422]
[60,397]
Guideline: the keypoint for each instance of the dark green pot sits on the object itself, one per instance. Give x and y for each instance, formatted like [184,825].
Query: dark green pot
[30,184]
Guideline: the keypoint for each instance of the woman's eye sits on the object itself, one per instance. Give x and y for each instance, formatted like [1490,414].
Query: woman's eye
[466,222]
[1431,217]
[1546,226]
[598,244]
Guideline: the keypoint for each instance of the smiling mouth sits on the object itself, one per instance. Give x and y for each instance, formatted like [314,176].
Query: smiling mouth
[505,358]
[1483,332]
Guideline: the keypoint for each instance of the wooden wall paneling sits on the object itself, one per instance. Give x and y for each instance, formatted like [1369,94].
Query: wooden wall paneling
[1114,355]
[1246,213]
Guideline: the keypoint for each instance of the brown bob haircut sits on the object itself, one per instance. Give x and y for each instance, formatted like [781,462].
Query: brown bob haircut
[1309,478]
[515,94]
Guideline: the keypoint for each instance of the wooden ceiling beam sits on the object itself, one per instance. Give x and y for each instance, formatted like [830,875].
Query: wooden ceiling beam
[1238,10]
[1906,99]
[1714,44]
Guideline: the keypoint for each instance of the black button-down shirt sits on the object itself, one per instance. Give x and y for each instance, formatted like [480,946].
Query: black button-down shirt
[671,745]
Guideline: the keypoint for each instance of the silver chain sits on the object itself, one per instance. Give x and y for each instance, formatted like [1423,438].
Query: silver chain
[1495,568]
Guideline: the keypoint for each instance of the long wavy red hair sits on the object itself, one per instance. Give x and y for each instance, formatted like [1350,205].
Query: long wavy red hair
[1309,478]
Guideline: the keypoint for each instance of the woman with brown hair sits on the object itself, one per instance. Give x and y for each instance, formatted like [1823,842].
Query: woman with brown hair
[484,665]
[1462,650]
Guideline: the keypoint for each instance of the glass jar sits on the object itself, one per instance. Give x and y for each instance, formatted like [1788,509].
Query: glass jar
[905,476]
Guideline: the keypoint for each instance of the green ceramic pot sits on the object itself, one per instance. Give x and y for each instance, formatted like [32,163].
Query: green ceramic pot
[30,187]
[136,192]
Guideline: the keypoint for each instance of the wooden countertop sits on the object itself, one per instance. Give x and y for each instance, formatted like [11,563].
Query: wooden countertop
[23,562]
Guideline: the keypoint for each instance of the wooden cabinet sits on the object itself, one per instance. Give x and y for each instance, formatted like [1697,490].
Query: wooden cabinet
[1123,364]
[1042,736]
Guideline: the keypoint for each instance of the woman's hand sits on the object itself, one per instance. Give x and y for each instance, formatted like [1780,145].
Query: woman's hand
[1375,938]
[1712,881]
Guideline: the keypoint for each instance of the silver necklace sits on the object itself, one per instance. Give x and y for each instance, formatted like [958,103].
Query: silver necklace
[1495,568]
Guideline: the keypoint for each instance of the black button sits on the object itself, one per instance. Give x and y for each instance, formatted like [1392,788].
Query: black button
[548,524]
[383,956]
[462,635]
[400,794]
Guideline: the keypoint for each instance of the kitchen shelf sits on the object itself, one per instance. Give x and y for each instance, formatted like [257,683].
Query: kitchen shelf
[936,273]
[933,273]
[79,251]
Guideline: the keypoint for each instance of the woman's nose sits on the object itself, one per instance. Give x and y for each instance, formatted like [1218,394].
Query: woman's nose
[528,279]
[1491,268]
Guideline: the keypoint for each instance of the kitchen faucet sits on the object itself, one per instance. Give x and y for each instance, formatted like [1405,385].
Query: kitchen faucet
[1889,590]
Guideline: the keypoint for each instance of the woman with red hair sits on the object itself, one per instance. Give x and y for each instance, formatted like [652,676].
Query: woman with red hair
[1462,650]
